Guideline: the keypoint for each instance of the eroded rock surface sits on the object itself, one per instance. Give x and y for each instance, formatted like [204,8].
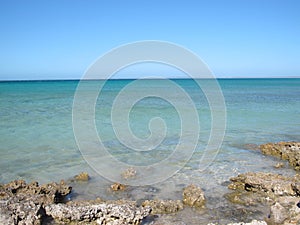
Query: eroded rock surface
[22,203]
[117,187]
[281,194]
[164,206]
[42,194]
[253,222]
[101,213]
[193,196]
[285,150]
[273,184]
[32,204]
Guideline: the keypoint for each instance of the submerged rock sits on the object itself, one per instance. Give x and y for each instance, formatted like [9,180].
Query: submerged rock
[163,206]
[129,173]
[84,176]
[193,196]
[245,198]
[285,150]
[251,146]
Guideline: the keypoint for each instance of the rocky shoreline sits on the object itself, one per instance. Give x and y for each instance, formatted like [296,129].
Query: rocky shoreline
[22,203]
[281,194]
[284,150]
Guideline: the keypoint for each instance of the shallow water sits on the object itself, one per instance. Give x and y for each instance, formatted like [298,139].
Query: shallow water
[38,143]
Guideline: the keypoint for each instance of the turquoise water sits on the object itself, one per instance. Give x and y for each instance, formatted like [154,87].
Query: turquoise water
[38,143]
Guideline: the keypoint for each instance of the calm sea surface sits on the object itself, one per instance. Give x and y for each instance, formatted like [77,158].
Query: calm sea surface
[37,140]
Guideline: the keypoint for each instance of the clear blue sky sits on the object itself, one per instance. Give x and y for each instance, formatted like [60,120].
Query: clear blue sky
[59,39]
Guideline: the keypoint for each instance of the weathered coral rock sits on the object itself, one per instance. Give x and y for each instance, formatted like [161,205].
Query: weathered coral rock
[285,211]
[22,203]
[253,222]
[118,187]
[278,213]
[163,206]
[26,212]
[32,204]
[193,196]
[266,182]
[82,177]
[5,218]
[101,213]
[44,194]
[282,193]
[285,150]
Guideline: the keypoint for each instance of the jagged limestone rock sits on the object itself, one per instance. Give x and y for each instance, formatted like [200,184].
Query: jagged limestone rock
[101,213]
[285,150]
[193,196]
[280,193]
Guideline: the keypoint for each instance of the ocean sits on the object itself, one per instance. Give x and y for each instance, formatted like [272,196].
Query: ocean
[41,138]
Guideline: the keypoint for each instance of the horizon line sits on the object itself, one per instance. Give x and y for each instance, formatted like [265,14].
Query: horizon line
[148,78]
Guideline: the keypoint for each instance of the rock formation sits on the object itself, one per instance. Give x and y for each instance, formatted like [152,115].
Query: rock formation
[84,176]
[98,214]
[253,222]
[285,150]
[281,194]
[117,187]
[22,203]
[273,184]
[193,196]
